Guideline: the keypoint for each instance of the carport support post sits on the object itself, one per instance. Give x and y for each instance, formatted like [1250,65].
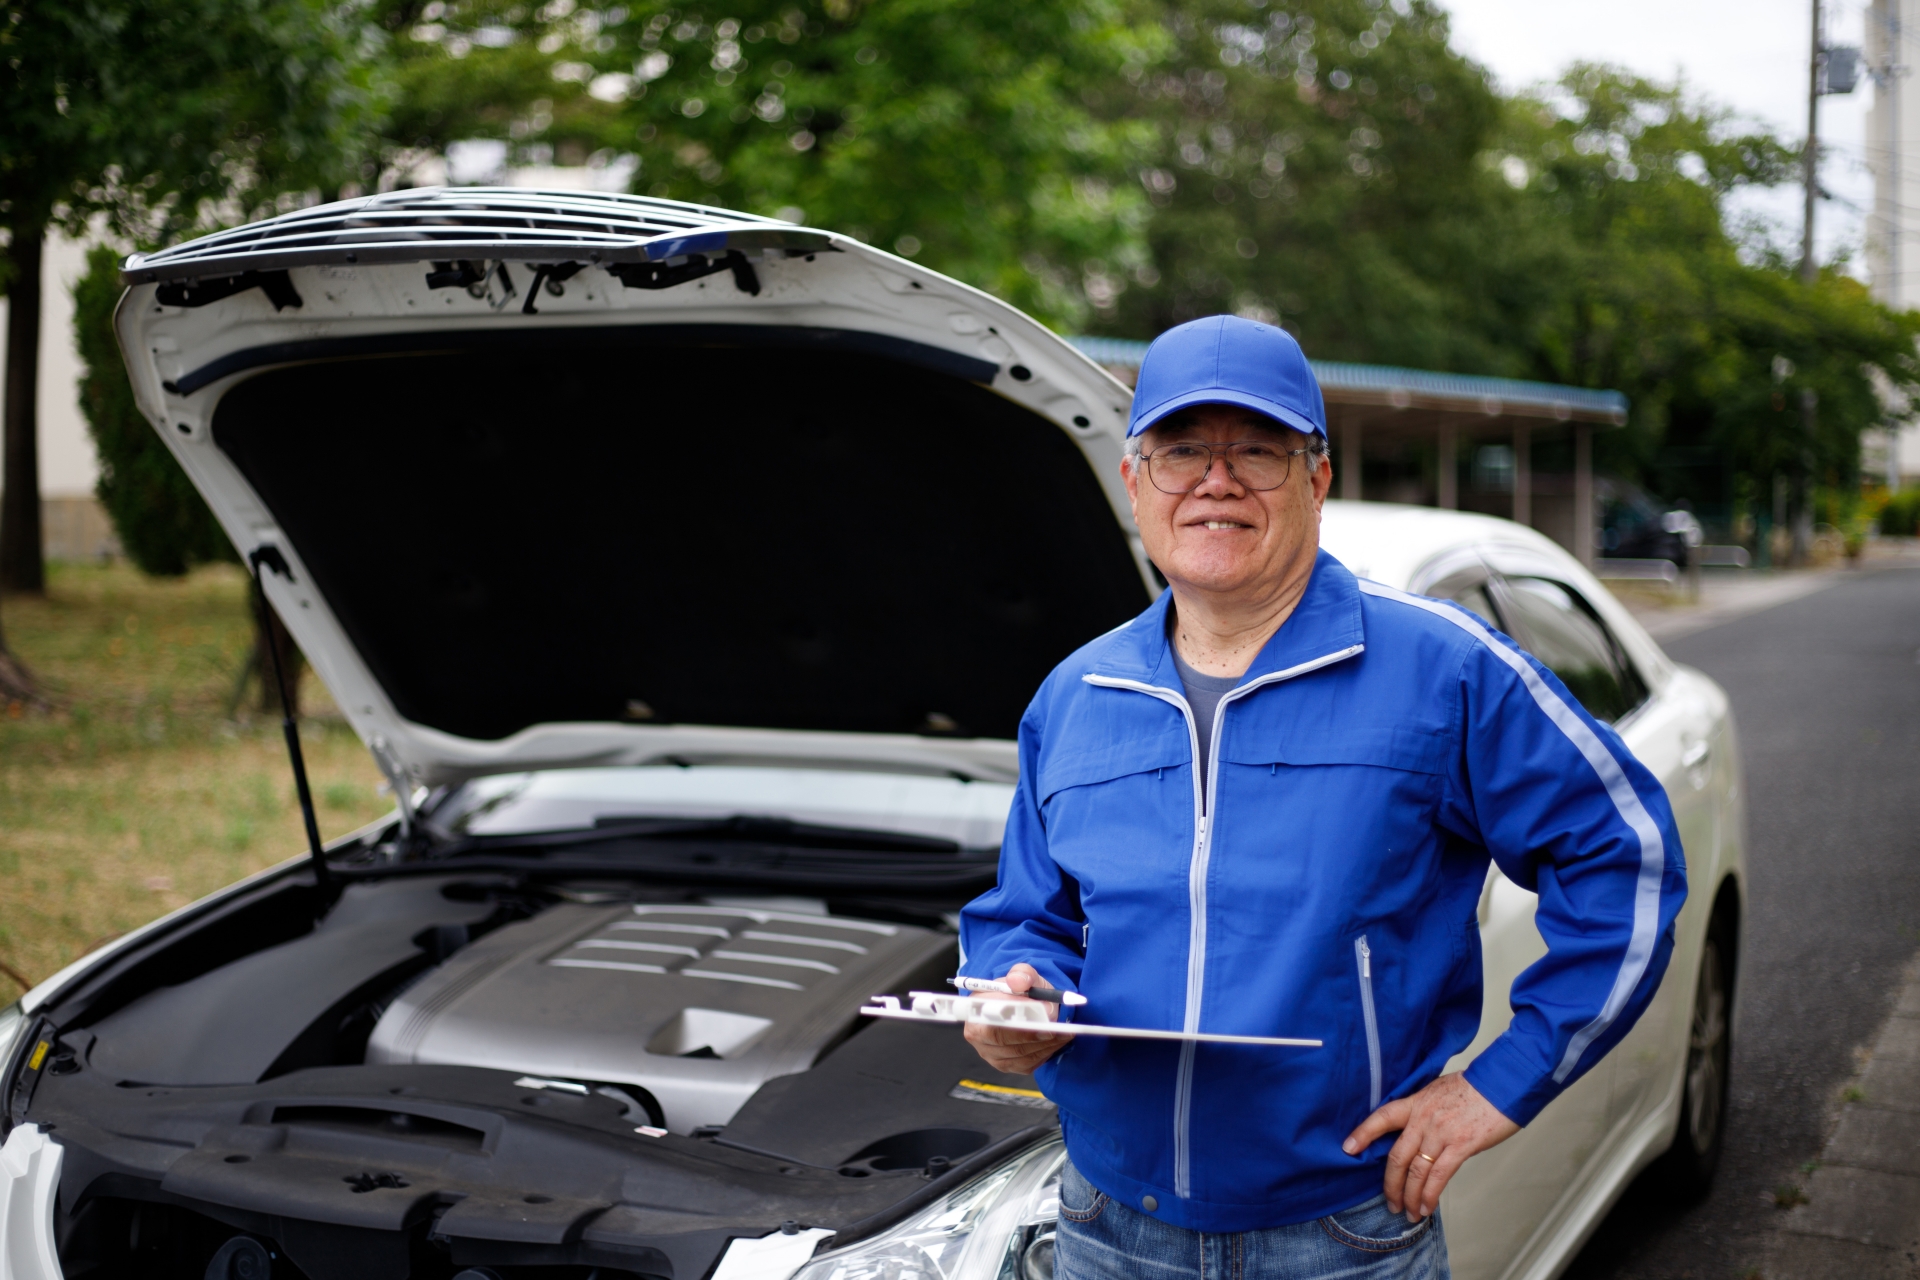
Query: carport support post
[1583,522]
[1523,475]
[1350,457]
[1447,471]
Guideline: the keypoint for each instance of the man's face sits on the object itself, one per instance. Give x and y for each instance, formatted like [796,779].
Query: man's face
[1222,537]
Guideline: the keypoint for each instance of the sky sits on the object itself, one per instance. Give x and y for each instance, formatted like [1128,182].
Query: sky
[1749,55]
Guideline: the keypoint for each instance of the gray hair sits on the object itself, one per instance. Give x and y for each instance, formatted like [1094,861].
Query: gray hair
[1316,450]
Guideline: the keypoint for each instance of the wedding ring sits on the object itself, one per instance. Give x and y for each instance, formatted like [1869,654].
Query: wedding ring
[1424,1156]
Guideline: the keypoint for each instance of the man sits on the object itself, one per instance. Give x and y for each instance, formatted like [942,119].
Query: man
[1265,807]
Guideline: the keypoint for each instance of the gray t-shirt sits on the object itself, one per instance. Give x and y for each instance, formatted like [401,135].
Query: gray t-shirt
[1203,695]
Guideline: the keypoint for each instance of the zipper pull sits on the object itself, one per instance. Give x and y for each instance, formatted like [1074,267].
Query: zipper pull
[1366,959]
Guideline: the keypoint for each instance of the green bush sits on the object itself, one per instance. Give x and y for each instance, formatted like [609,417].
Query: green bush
[1900,518]
[162,521]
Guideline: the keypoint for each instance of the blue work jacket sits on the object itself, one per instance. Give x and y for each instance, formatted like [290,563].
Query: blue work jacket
[1376,753]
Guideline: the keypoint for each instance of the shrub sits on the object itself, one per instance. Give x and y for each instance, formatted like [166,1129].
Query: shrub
[1900,518]
[162,521]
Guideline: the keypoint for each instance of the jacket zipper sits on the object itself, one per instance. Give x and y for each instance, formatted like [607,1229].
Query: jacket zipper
[1203,815]
[1363,956]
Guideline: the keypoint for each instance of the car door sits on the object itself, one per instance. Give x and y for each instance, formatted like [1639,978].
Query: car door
[1671,730]
[1498,1205]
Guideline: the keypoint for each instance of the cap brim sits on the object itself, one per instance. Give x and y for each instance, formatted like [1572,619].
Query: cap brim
[1240,399]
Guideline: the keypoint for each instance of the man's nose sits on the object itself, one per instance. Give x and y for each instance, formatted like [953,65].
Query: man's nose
[1219,482]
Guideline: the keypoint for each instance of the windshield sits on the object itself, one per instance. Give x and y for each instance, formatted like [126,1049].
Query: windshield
[972,814]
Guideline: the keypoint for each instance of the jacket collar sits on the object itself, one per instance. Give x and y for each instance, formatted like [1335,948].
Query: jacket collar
[1326,623]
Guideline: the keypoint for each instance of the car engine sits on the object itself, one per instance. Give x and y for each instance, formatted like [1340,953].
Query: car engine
[697,1005]
[425,1076]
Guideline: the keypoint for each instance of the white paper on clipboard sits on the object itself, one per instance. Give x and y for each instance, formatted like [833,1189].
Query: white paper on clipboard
[1031,1015]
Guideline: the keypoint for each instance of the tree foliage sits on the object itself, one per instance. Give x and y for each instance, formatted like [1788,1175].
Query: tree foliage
[149,111]
[1120,166]
[1623,184]
[144,118]
[958,131]
[1334,166]
[1319,165]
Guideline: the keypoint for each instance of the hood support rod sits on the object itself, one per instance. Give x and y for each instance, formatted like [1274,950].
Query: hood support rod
[267,556]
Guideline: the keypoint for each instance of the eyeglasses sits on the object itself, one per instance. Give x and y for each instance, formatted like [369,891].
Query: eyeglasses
[1180,467]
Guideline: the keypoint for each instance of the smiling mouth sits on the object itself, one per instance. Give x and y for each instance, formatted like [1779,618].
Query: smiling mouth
[1227,524]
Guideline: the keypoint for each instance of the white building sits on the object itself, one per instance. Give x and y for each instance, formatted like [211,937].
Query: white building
[1893,230]
[74,525]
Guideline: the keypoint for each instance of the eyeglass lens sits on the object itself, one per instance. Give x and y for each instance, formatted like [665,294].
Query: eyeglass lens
[1181,466]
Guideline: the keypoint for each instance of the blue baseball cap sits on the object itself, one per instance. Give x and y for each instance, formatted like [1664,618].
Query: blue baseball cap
[1228,360]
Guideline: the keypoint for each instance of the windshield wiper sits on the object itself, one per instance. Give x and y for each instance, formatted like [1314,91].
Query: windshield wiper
[739,830]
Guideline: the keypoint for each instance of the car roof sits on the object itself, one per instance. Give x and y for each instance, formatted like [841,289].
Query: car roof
[1392,542]
[1408,547]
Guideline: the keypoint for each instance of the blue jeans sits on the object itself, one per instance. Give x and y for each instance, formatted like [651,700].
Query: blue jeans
[1102,1239]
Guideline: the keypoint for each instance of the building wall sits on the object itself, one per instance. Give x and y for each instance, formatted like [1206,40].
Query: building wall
[1893,153]
[72,522]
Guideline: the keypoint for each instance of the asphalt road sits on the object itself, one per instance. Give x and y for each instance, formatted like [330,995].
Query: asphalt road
[1826,694]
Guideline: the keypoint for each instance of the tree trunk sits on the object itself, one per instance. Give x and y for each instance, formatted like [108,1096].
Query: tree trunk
[21,563]
[18,688]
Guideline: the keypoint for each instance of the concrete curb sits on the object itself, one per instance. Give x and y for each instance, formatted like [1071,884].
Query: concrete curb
[1861,1219]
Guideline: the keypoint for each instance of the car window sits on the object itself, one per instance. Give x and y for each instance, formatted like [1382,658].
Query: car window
[1469,591]
[1558,626]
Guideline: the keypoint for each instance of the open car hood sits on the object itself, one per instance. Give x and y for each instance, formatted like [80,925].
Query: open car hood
[565,479]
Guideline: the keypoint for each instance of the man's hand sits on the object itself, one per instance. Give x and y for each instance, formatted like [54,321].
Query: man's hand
[1017,1052]
[1440,1127]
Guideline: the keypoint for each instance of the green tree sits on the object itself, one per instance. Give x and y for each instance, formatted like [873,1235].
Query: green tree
[1335,167]
[453,70]
[959,131]
[1711,334]
[1320,165]
[150,116]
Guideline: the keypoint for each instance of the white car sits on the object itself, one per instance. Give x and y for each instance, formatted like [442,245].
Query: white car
[687,573]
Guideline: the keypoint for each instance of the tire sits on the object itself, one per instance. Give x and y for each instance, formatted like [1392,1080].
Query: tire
[1685,1172]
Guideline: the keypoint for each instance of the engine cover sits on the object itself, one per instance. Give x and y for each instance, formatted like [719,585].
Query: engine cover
[699,1005]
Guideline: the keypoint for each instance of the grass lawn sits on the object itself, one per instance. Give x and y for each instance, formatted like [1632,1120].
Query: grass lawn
[138,794]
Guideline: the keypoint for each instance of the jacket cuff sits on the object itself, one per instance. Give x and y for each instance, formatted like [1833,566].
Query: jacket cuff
[1050,972]
[1057,979]
[1508,1077]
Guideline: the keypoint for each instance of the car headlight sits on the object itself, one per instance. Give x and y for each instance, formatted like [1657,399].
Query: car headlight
[1000,1226]
[14,1025]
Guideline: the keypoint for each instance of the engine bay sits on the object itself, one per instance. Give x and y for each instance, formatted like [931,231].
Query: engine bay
[432,1074]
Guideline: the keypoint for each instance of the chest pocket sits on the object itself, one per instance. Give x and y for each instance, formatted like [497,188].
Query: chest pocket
[1119,813]
[1361,805]
[1113,758]
[1402,748]
[1379,783]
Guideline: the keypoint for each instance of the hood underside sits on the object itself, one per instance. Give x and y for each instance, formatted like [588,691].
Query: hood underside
[563,509]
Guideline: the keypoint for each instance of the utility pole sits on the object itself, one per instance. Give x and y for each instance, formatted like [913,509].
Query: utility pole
[1801,516]
[1810,161]
[1892,82]
[1889,82]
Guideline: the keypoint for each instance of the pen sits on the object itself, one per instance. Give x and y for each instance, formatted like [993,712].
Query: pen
[1047,994]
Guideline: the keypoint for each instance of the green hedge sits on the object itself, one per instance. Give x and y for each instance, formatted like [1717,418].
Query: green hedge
[162,521]
[1900,518]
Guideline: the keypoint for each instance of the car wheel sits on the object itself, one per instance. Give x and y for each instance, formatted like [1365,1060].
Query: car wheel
[1687,1168]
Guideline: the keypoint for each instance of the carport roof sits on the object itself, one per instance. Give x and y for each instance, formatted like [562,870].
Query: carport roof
[1385,385]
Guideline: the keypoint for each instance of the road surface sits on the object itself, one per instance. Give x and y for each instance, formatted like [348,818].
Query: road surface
[1826,694]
